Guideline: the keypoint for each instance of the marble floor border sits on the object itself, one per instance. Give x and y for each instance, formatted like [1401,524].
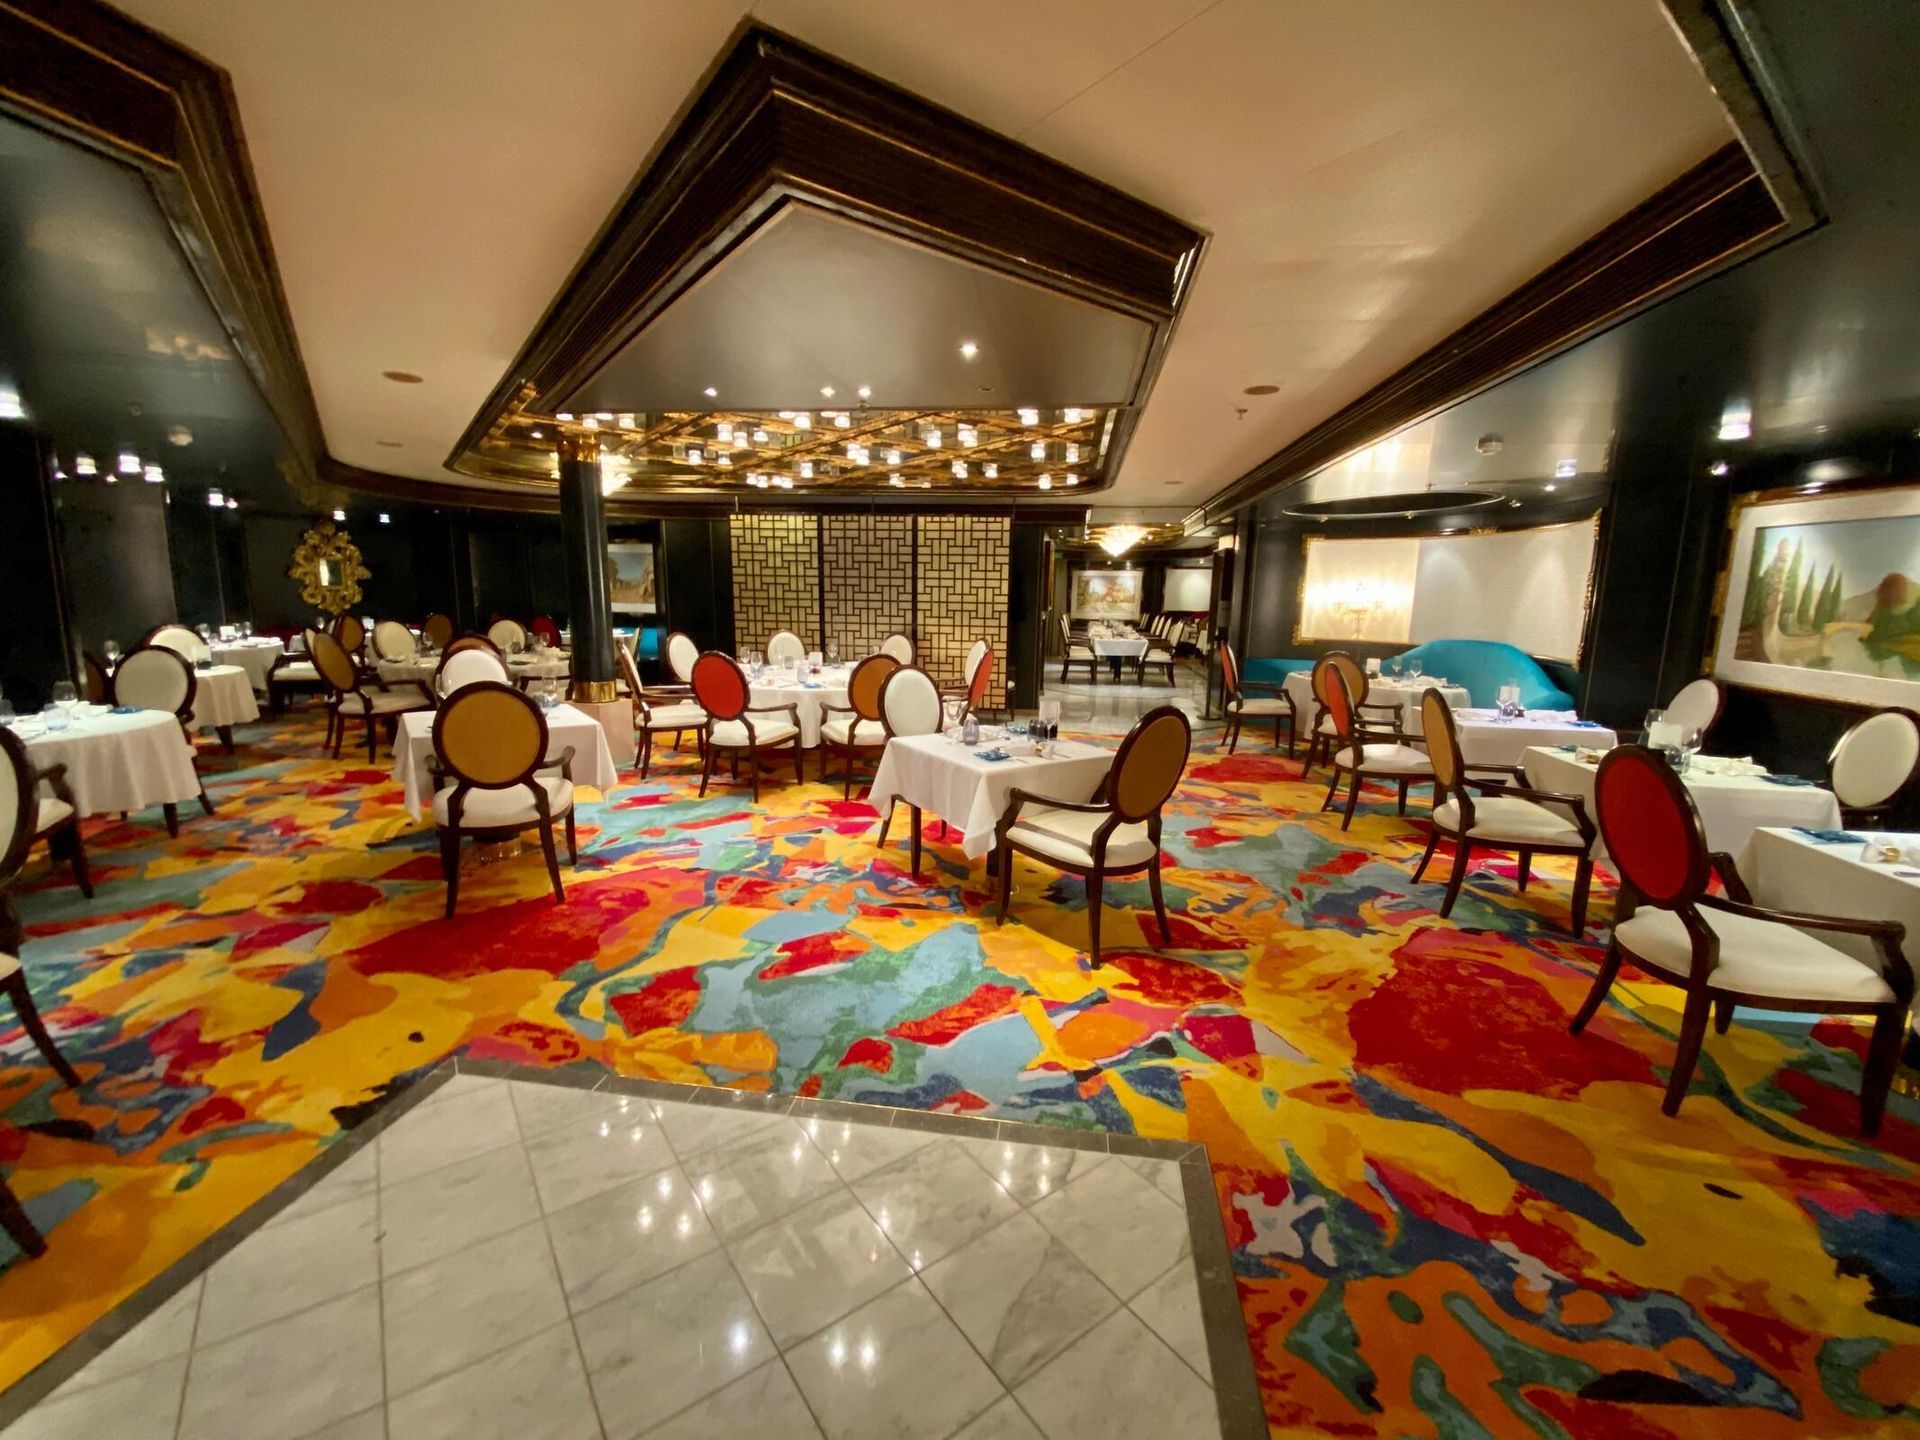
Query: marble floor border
[1236,1385]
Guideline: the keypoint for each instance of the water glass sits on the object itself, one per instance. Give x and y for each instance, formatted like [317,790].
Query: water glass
[6,710]
[1414,667]
[65,696]
[112,651]
[833,652]
[56,716]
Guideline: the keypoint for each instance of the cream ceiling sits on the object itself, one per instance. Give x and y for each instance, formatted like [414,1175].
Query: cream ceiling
[1373,172]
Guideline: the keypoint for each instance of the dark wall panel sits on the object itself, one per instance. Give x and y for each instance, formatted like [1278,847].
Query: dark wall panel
[114,548]
[696,573]
[35,654]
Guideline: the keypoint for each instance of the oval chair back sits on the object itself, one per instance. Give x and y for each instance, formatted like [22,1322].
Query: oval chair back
[1651,828]
[1698,705]
[976,652]
[155,678]
[1151,760]
[181,640]
[546,628]
[1875,760]
[1230,671]
[865,684]
[350,633]
[505,633]
[910,703]
[393,641]
[472,642]
[438,628]
[461,668]
[681,653]
[982,677]
[1336,697]
[489,736]
[1354,673]
[720,685]
[19,805]
[335,664]
[899,646]
[629,670]
[99,684]
[784,646]
[1443,751]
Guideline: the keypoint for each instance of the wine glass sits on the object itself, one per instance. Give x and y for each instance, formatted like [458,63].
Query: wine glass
[1414,667]
[6,709]
[112,651]
[833,652]
[65,696]
[954,707]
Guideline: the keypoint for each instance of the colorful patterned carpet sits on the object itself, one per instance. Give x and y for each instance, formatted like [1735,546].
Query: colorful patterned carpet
[1450,1217]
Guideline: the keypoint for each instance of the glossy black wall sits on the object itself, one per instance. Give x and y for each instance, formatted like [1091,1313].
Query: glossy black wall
[35,652]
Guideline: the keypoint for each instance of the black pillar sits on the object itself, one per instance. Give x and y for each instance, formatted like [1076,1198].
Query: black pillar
[583,533]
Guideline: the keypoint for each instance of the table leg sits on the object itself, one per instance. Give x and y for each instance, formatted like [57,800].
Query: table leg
[225,732]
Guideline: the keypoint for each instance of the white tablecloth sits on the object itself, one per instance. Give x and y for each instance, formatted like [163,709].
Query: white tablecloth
[255,656]
[223,696]
[592,758]
[831,689]
[1119,647]
[419,669]
[1731,807]
[1786,870]
[1299,684]
[116,762]
[1486,739]
[554,665]
[950,780]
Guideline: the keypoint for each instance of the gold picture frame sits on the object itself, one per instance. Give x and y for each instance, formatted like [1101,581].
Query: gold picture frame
[328,566]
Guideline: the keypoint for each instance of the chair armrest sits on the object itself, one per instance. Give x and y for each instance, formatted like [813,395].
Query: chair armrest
[1267,685]
[1369,730]
[666,692]
[843,709]
[1891,930]
[563,762]
[1398,708]
[1017,797]
[789,709]
[1513,770]
[1729,874]
[54,777]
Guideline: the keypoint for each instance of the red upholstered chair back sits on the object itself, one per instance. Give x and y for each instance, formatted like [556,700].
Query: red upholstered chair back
[720,685]
[982,673]
[544,627]
[1336,697]
[1229,670]
[1650,827]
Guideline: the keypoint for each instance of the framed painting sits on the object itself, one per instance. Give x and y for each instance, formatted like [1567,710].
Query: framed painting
[1821,598]
[631,585]
[1106,594]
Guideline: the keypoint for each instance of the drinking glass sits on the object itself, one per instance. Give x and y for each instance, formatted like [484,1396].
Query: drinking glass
[65,696]
[1414,667]
[1655,719]
[112,650]
[954,707]
[206,631]
[56,716]
[246,629]
[1395,667]
[833,652]
[6,710]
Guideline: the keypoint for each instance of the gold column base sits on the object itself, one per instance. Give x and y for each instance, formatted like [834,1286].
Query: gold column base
[594,692]
[492,852]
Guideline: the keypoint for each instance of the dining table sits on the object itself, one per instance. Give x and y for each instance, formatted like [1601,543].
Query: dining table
[1404,693]
[945,777]
[810,693]
[255,656]
[1734,797]
[1489,738]
[566,727]
[223,698]
[1117,643]
[117,758]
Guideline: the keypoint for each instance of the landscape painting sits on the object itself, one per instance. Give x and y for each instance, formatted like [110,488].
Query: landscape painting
[630,579]
[1822,598]
[1106,594]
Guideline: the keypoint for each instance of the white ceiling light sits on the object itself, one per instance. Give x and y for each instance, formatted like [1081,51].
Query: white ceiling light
[1072,479]
[1719,467]
[842,420]
[990,470]
[180,435]
[826,391]
[1736,423]
[968,436]
[1045,481]
[806,469]
[216,499]
[385,518]
[892,457]
[711,393]
[724,433]
[959,469]
[932,437]
[624,421]
[129,463]
[83,464]
[1073,454]
[340,515]
[802,420]
[1071,414]
[233,502]
[10,406]
[1029,416]
[1116,540]
[693,456]
[865,392]
[759,437]
[155,475]
[968,349]
[1038,450]
[1567,469]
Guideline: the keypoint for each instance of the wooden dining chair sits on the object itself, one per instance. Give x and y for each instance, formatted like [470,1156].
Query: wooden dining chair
[856,729]
[39,803]
[720,687]
[909,705]
[506,633]
[350,633]
[681,652]
[1725,950]
[544,627]
[976,652]
[1873,765]
[155,678]
[438,628]
[1504,815]
[1698,705]
[784,647]
[357,694]
[1253,699]
[1322,736]
[1368,750]
[1115,833]
[183,640]
[899,645]
[394,641]
[657,712]
[467,666]
[293,670]
[491,741]
[470,642]
[1074,652]
[99,682]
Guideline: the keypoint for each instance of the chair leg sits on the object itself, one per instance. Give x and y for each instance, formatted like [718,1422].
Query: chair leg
[450,866]
[225,732]
[77,855]
[1003,864]
[1403,794]
[846,765]
[1233,735]
[1722,1014]
[886,824]
[573,842]
[646,751]
[706,770]
[370,738]
[553,861]
[1693,1030]
[1093,917]
[1582,885]
[1524,868]
[16,988]
[1333,788]
[13,1219]
[913,814]
[172,812]
[1883,1058]
[339,733]
[1159,901]
[1353,799]
[1462,862]
[1602,982]
[206,803]
[798,756]
[1420,870]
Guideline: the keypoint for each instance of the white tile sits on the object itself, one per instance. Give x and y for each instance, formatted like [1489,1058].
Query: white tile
[367,1425]
[167,1332]
[771,1173]
[535,1390]
[1118,1382]
[895,1369]
[448,1210]
[674,1340]
[618,1239]
[1166,1176]
[858,1150]
[1020,1296]
[450,1312]
[583,1158]
[549,1107]
[1005,1421]
[695,1129]
[764,1405]
[139,1406]
[461,1082]
[289,1378]
[816,1265]
[284,1268]
[1171,1308]
[474,1121]
[1033,1172]
[1126,1231]
[357,1175]
[934,1201]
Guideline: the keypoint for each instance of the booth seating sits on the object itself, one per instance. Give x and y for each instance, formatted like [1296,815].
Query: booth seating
[1483,666]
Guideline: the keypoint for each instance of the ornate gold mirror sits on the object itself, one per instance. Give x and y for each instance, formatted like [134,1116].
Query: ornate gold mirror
[327,564]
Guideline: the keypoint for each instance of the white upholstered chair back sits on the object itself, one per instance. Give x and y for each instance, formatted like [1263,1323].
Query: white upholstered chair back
[681,653]
[976,652]
[1697,705]
[393,641]
[910,703]
[899,647]
[471,666]
[182,641]
[153,678]
[1875,759]
[507,633]
[783,646]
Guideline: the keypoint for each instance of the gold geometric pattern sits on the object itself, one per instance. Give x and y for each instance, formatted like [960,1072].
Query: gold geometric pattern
[776,578]
[868,575]
[963,561]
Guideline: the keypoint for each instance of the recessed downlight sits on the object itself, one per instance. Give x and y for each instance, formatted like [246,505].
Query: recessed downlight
[402,377]
[968,349]
[1261,390]
[388,444]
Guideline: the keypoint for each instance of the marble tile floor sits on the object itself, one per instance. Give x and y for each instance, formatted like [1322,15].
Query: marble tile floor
[1109,707]
[517,1253]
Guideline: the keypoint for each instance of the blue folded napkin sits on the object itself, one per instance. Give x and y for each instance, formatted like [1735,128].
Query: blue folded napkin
[1785,780]
[124,710]
[1587,725]
[810,685]
[1566,749]
[1830,837]
[994,754]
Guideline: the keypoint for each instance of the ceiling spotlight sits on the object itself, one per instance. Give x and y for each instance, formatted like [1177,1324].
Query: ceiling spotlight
[827,391]
[10,406]
[724,433]
[759,437]
[216,499]
[1736,423]
[340,515]
[990,470]
[865,392]
[711,393]
[1072,479]
[1046,481]
[896,481]
[1038,450]
[1567,469]
[1719,467]
[401,377]
[1029,416]
[83,464]
[385,518]
[233,502]
[892,457]
[932,437]
[959,469]
[968,436]
[806,469]
[155,475]
[179,435]
[539,434]
[724,459]
[802,420]
[1071,415]
[129,463]
[1073,454]
[968,349]
[111,478]
[1550,487]
[693,455]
